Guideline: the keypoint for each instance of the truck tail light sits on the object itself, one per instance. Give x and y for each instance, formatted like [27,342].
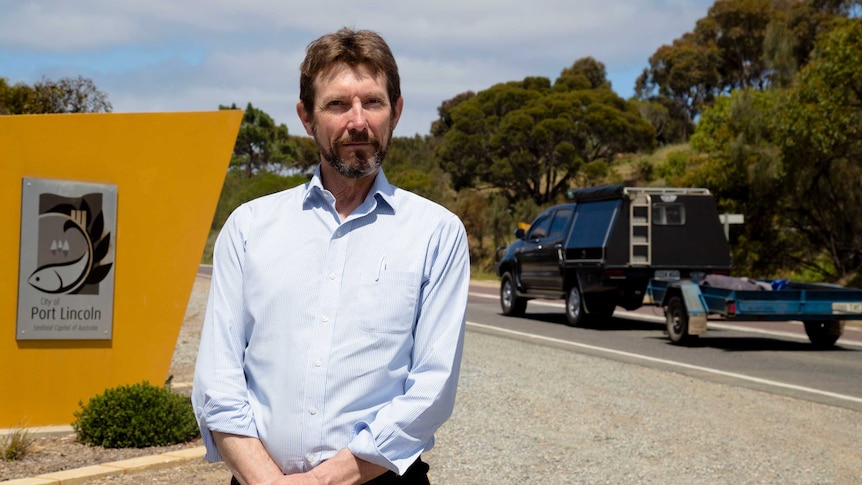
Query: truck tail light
[614,273]
[731,308]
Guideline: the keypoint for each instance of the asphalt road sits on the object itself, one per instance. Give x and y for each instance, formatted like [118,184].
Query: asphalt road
[775,357]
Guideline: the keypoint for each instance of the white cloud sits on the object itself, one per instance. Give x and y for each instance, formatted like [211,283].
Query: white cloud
[165,55]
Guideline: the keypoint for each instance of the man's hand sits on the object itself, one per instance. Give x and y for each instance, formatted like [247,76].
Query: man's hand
[250,463]
[342,469]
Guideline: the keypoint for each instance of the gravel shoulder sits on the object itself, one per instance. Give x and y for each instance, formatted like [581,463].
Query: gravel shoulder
[533,414]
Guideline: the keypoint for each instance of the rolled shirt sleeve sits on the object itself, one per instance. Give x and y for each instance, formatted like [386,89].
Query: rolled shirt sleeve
[220,394]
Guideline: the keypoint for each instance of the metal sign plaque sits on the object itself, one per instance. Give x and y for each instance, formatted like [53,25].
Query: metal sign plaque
[66,268]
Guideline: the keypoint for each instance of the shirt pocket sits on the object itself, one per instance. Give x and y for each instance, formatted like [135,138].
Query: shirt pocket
[387,301]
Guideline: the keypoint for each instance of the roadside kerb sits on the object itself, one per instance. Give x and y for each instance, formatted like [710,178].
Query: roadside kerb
[122,467]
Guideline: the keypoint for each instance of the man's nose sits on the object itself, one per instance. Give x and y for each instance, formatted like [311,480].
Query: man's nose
[357,120]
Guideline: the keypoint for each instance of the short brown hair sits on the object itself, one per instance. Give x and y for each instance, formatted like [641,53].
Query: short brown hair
[354,48]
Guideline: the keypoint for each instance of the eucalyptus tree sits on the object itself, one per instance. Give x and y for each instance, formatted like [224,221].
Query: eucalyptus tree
[531,139]
[47,96]
[739,44]
[261,143]
[820,136]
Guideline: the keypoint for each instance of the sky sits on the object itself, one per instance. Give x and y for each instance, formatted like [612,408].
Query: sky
[194,55]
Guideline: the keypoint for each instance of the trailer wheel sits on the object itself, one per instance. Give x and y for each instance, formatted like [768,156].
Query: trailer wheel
[677,321]
[512,304]
[574,307]
[824,334]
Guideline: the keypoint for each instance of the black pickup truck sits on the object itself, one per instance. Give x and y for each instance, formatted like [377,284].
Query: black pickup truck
[601,250]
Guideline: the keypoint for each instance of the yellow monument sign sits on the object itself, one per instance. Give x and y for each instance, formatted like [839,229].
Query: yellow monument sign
[113,212]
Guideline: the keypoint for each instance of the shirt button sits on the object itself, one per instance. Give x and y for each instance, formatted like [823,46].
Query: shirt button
[313,411]
[317,363]
[338,234]
[324,319]
[332,276]
[310,458]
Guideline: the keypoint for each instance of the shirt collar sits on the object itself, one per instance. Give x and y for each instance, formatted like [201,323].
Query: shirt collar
[381,189]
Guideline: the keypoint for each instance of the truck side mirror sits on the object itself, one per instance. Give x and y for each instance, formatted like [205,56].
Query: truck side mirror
[519,233]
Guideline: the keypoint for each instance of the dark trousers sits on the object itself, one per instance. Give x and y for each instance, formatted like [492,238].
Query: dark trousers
[417,474]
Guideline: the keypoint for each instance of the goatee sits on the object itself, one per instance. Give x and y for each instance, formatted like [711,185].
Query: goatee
[358,163]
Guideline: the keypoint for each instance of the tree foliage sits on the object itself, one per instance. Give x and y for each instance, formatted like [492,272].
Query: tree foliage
[791,161]
[238,189]
[737,29]
[820,136]
[307,154]
[531,140]
[743,169]
[585,73]
[410,164]
[65,95]
[740,44]
[440,126]
[684,73]
[667,117]
[261,143]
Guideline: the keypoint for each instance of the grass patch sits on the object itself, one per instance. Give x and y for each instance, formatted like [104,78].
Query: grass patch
[16,445]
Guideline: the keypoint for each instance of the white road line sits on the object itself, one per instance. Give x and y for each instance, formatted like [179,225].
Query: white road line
[671,363]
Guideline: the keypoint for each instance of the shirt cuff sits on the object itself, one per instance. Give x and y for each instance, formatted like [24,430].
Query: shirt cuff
[363,446]
[225,417]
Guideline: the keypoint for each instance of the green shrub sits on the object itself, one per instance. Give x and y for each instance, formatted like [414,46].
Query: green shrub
[136,416]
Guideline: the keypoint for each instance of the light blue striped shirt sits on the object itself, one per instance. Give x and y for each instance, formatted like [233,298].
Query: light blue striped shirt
[321,334]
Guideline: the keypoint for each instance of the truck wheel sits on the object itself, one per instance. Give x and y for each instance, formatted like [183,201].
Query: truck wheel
[575,307]
[677,321]
[512,304]
[824,334]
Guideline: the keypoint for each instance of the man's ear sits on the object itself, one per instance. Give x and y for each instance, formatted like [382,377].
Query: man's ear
[306,118]
[396,113]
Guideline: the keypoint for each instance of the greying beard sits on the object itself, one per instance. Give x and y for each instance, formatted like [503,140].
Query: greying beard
[365,165]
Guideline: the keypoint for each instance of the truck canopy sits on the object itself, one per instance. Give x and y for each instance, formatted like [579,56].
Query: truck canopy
[650,227]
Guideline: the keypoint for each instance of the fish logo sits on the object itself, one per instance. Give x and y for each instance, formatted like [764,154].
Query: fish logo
[71,246]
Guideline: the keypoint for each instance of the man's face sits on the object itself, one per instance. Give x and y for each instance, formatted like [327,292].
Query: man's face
[353,119]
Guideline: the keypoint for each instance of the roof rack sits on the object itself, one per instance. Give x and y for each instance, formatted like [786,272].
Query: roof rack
[666,190]
[619,191]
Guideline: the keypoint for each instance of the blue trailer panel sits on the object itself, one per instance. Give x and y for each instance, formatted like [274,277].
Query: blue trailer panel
[822,308]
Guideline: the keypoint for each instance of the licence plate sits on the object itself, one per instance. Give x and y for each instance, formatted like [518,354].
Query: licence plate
[847,307]
[663,274]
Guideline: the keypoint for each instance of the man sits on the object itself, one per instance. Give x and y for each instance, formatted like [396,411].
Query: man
[332,339]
